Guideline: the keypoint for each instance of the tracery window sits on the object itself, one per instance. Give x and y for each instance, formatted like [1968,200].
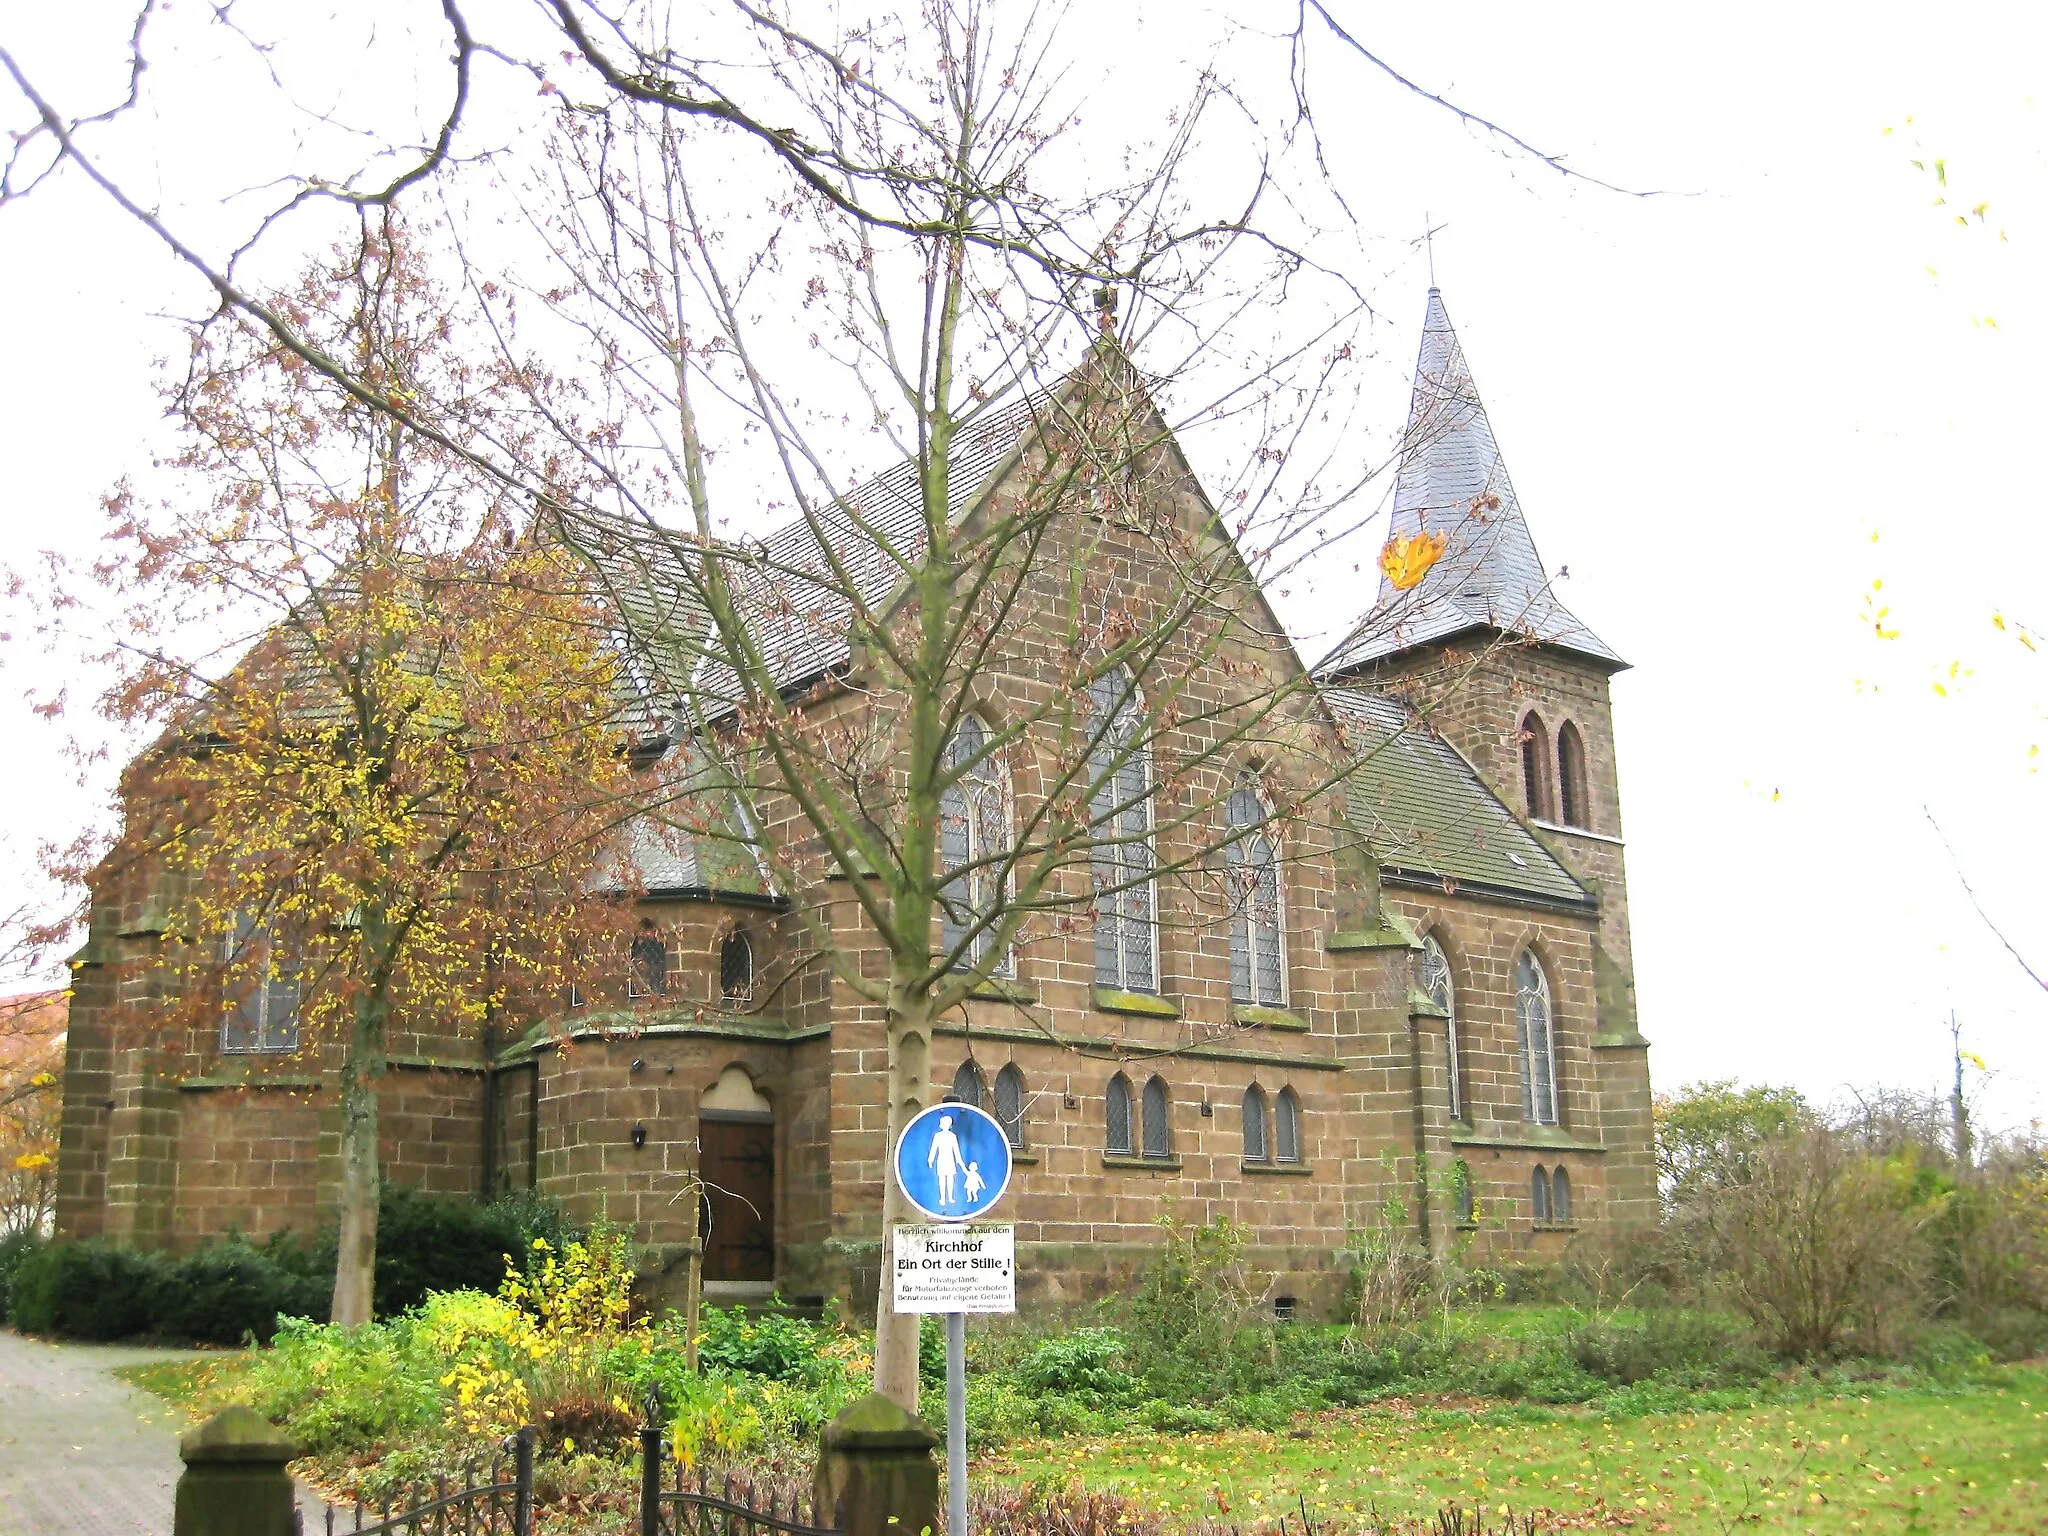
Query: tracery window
[1120,823]
[262,1013]
[1009,1098]
[1158,1125]
[1571,776]
[1258,963]
[1538,1042]
[1441,989]
[1255,1147]
[974,838]
[1116,1116]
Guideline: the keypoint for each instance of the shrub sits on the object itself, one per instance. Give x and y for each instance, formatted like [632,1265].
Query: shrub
[89,1290]
[779,1348]
[1660,1344]
[226,1291]
[14,1248]
[1089,1365]
[438,1243]
[345,1389]
[1193,1299]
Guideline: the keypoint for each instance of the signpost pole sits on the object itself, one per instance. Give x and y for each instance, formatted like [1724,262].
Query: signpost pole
[956,1424]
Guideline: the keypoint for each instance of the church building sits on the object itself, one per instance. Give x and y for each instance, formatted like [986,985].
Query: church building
[1455,1050]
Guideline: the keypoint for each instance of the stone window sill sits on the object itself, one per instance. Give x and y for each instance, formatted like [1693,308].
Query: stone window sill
[1269,1018]
[1019,1158]
[1145,1005]
[1295,1170]
[1148,1164]
[1553,1226]
[1000,989]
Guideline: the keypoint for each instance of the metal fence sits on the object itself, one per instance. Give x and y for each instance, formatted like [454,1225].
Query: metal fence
[496,1499]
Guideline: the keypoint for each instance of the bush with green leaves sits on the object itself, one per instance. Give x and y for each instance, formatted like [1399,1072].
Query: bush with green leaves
[1090,1365]
[89,1290]
[14,1248]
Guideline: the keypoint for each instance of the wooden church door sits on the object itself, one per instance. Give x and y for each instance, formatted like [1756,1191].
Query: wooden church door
[737,1214]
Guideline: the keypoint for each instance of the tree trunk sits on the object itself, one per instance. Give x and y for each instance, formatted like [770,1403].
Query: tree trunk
[355,1264]
[910,1075]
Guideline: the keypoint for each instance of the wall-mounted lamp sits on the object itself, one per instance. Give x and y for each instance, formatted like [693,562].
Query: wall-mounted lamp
[639,1135]
[638,1065]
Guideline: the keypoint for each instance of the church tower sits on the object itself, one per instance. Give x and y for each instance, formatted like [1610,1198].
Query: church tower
[1486,653]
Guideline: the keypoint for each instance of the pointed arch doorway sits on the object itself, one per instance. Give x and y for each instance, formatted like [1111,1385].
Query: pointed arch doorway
[736,1208]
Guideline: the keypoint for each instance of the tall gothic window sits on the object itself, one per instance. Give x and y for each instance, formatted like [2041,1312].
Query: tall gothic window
[1443,991]
[1010,1103]
[263,1010]
[1538,1041]
[1120,822]
[1571,776]
[974,837]
[967,1084]
[1258,964]
[1535,767]
[1539,1196]
[1255,1145]
[1158,1125]
[1287,1127]
[1116,1116]
[736,968]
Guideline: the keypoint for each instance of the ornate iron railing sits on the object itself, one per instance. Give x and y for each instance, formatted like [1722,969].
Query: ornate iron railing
[500,1505]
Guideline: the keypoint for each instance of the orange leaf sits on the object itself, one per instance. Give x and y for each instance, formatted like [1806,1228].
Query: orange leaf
[1408,557]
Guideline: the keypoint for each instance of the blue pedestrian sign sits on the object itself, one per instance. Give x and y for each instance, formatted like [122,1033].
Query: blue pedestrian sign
[953,1161]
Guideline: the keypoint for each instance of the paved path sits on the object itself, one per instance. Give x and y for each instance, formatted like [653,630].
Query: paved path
[80,1449]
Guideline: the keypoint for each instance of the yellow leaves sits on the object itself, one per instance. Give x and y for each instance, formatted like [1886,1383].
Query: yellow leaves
[32,1160]
[1408,557]
[1874,614]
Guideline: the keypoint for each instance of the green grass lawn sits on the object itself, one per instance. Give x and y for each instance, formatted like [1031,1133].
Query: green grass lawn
[1897,1461]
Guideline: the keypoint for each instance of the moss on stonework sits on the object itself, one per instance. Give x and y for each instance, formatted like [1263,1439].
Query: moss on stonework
[1270,1018]
[1115,1000]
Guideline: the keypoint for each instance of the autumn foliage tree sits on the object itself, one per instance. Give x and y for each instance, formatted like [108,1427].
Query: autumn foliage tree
[386,721]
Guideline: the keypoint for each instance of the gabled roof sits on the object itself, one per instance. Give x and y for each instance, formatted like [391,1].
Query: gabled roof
[1427,815]
[1452,481]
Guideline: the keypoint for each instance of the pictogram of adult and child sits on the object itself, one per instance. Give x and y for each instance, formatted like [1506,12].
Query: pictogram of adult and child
[953,1161]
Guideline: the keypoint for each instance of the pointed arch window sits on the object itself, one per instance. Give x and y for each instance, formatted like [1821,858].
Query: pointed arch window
[1571,776]
[1120,827]
[1441,989]
[263,1010]
[1537,1038]
[1009,1098]
[975,840]
[736,967]
[1287,1127]
[1561,1197]
[1256,1149]
[1535,767]
[1462,1198]
[1158,1120]
[1539,1196]
[1116,1116]
[1258,961]
[967,1084]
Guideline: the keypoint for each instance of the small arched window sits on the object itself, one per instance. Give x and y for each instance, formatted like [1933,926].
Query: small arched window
[1535,767]
[1287,1127]
[1255,1149]
[1537,1040]
[1462,1199]
[1258,962]
[1010,1103]
[647,964]
[974,838]
[1120,827]
[1158,1120]
[967,1084]
[736,968]
[1439,987]
[1571,776]
[1561,1198]
[1539,1196]
[1116,1116]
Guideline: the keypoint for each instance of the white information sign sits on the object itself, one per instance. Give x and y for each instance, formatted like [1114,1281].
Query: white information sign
[956,1269]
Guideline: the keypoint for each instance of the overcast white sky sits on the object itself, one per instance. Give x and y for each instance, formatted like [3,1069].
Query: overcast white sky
[1728,411]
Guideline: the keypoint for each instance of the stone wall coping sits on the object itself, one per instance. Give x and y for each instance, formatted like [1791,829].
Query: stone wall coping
[1632,1040]
[1558,826]
[1526,1144]
[228,1084]
[1111,1050]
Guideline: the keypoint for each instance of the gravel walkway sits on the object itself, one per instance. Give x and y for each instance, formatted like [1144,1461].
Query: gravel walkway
[80,1449]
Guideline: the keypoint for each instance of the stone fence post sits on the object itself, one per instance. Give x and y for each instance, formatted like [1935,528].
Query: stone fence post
[235,1482]
[875,1469]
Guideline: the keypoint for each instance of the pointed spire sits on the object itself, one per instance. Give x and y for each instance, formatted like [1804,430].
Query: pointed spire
[1452,481]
